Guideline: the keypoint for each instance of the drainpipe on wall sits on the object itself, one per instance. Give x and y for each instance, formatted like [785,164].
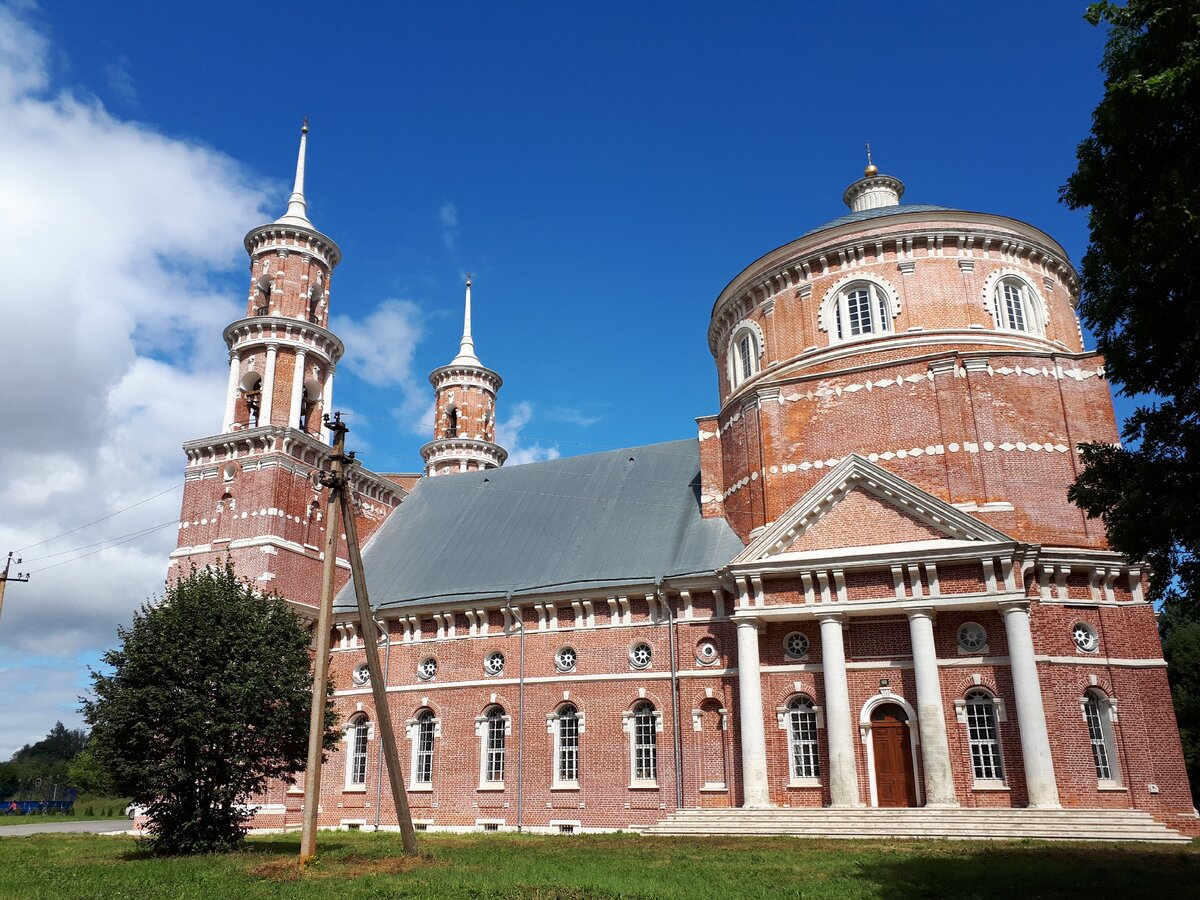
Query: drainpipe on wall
[520,713]
[675,734]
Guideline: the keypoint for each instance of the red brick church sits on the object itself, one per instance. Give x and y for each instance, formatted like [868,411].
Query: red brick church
[858,588]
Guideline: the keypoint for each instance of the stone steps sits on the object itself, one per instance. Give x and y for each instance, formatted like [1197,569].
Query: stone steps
[961,824]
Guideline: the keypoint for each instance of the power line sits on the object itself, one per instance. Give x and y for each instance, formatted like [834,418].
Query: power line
[173,487]
[133,537]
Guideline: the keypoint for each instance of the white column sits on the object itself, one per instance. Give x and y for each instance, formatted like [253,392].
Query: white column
[755,789]
[327,402]
[268,388]
[931,716]
[297,390]
[843,775]
[231,392]
[1031,716]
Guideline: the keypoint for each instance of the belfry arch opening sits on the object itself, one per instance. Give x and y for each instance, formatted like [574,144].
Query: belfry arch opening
[251,386]
[310,397]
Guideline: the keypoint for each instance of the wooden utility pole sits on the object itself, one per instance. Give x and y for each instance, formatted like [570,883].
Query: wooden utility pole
[6,577]
[339,507]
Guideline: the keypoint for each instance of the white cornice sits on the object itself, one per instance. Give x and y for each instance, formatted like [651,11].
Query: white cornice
[254,331]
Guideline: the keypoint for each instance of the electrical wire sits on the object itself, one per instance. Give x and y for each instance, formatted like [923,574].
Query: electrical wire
[173,487]
[117,543]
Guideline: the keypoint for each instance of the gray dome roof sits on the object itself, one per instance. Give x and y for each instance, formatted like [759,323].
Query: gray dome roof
[878,213]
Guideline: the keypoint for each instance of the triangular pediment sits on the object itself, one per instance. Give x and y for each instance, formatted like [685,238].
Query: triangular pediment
[861,504]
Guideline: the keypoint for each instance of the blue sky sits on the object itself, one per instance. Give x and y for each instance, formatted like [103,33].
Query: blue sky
[603,171]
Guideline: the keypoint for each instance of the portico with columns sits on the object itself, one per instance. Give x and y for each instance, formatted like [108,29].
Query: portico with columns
[783,583]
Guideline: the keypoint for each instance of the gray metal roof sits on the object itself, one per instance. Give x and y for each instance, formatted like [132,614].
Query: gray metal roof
[585,523]
[879,212]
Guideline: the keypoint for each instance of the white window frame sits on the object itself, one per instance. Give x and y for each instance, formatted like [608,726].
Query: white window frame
[804,746]
[493,723]
[1033,307]
[835,316]
[641,720]
[987,754]
[358,735]
[740,365]
[416,728]
[963,649]
[554,723]
[1099,713]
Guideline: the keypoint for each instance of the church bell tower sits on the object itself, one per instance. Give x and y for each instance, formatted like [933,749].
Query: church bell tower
[464,424]
[250,491]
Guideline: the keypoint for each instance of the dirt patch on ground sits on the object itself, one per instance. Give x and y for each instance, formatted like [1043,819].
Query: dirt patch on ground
[351,866]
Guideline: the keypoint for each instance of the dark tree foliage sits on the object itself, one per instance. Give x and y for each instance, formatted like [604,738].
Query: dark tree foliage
[46,760]
[1138,176]
[1179,626]
[207,699]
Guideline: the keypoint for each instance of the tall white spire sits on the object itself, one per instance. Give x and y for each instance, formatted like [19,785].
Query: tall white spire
[466,350]
[297,211]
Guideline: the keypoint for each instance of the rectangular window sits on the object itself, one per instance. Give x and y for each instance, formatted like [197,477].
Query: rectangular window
[747,362]
[984,740]
[645,747]
[423,770]
[568,748]
[493,770]
[1014,308]
[805,761]
[358,756]
[1091,711]
[858,307]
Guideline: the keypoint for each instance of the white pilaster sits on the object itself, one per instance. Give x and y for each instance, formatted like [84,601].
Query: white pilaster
[297,390]
[1031,716]
[231,392]
[843,776]
[268,388]
[754,739]
[931,716]
[327,402]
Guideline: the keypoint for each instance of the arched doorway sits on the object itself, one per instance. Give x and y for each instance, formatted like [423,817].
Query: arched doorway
[895,781]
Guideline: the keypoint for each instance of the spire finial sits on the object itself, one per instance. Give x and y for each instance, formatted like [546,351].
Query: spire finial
[871,168]
[297,211]
[466,349]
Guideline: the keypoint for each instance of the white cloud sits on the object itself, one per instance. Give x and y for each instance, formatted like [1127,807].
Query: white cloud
[379,348]
[120,252]
[448,219]
[508,436]
[120,80]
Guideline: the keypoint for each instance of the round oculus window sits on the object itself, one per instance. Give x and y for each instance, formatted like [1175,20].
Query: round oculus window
[493,663]
[565,659]
[640,655]
[795,645]
[972,636]
[1084,636]
[427,668]
[706,653]
[361,674]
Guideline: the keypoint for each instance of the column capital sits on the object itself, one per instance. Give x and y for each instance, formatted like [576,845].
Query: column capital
[832,616]
[748,622]
[920,612]
[1007,606]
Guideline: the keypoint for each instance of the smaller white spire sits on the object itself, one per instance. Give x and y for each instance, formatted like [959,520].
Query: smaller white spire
[297,211]
[466,349]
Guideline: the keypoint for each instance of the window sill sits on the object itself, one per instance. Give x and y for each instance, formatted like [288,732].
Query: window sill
[804,783]
[492,786]
[1112,786]
[643,786]
[990,786]
[420,789]
[355,789]
[714,789]
[565,786]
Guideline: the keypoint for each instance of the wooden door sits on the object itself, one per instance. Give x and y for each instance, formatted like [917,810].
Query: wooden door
[895,783]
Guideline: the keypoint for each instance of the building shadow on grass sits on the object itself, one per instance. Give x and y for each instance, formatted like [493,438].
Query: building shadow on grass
[1030,871]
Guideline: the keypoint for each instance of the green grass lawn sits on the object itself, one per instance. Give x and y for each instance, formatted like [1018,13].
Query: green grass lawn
[585,866]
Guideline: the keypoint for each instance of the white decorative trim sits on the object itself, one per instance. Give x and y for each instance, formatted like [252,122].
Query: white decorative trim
[825,315]
[1040,313]
[914,739]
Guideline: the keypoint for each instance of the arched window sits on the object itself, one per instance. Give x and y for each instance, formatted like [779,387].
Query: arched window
[566,747]
[452,422]
[861,308]
[1098,714]
[1015,306]
[744,351]
[802,739]
[356,752]
[494,724]
[423,735]
[643,743]
[983,735]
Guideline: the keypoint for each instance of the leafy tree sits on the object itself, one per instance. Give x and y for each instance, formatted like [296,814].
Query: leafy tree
[1138,176]
[85,774]
[1179,626]
[207,699]
[47,759]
